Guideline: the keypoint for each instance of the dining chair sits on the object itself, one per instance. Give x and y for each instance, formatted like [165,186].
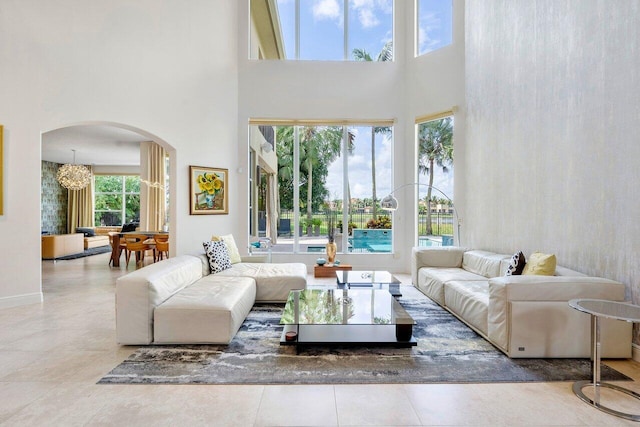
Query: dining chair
[162,247]
[136,243]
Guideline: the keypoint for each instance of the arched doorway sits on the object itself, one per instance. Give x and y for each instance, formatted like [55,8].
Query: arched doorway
[109,148]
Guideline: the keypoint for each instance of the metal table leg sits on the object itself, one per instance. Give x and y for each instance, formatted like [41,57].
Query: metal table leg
[596,383]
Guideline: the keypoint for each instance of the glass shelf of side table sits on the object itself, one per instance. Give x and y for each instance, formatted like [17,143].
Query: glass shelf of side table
[610,310]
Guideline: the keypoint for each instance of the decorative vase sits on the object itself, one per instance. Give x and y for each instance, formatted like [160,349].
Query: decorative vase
[332,248]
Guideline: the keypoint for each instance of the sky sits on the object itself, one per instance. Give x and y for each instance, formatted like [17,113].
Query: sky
[360,179]
[370,28]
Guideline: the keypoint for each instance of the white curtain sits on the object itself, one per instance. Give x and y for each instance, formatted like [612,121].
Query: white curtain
[80,206]
[273,208]
[152,186]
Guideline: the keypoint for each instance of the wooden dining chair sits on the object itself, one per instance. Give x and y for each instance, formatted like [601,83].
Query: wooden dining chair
[136,243]
[161,248]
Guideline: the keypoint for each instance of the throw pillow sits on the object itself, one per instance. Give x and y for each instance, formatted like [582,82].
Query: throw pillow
[234,253]
[218,256]
[516,265]
[126,228]
[540,264]
[88,232]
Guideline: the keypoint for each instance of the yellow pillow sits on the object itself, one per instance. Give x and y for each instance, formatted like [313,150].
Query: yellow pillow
[234,253]
[540,264]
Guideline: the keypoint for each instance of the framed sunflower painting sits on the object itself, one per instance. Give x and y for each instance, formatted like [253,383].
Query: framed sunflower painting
[208,190]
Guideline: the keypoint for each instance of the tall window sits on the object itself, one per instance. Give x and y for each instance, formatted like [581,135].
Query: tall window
[117,199]
[321,175]
[435,173]
[328,30]
[434,25]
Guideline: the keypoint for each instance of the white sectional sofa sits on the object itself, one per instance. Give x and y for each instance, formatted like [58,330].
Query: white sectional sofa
[178,301]
[523,316]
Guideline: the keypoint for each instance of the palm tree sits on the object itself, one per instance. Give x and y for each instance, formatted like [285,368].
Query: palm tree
[386,54]
[435,147]
[319,146]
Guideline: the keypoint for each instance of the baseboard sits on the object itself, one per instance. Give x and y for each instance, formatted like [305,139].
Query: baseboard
[18,300]
[635,352]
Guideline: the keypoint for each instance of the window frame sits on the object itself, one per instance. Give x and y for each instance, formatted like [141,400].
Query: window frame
[123,194]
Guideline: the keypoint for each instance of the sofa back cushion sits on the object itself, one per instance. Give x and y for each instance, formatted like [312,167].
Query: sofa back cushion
[484,263]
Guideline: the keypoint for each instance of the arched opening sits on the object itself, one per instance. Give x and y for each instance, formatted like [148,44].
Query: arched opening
[110,149]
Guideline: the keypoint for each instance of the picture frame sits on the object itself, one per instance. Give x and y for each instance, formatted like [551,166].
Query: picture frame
[1,171]
[208,190]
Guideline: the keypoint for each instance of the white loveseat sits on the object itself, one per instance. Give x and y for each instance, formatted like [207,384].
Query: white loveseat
[523,316]
[178,301]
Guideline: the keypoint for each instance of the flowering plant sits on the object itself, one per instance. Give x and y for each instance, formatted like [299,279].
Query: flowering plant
[209,183]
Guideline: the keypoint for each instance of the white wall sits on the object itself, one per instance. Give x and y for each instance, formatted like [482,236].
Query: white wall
[167,68]
[399,90]
[552,136]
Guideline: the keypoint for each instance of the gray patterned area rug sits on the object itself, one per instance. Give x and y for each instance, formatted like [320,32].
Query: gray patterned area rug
[447,351]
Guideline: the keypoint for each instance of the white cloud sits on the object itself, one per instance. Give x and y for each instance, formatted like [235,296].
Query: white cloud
[367,18]
[429,24]
[368,11]
[326,9]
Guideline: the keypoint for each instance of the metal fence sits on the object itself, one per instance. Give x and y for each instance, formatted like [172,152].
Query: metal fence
[441,222]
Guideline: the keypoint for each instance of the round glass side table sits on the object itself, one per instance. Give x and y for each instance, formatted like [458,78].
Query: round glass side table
[610,310]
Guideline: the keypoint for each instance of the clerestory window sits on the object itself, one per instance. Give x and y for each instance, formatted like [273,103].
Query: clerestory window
[434,25]
[325,30]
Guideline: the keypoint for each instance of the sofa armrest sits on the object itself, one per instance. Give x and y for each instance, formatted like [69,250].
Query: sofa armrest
[554,288]
[529,316]
[438,256]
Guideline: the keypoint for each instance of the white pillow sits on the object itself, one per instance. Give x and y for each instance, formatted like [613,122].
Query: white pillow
[218,256]
[234,253]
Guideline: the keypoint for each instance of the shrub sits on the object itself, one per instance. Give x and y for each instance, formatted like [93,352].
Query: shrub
[381,222]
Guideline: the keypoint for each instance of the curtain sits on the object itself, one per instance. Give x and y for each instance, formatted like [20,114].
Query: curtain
[80,206]
[273,208]
[152,186]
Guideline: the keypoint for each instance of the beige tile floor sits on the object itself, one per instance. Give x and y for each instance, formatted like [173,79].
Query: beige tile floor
[52,355]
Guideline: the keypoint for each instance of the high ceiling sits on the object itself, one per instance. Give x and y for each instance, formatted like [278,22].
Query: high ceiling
[94,145]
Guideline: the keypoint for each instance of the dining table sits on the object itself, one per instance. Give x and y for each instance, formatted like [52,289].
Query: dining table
[116,250]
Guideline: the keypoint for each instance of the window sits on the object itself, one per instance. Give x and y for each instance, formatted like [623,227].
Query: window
[117,199]
[327,30]
[320,174]
[435,174]
[434,25]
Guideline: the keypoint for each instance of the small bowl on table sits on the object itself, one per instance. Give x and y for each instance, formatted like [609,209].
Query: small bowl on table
[321,261]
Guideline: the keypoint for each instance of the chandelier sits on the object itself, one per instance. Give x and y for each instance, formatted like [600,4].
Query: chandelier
[73,176]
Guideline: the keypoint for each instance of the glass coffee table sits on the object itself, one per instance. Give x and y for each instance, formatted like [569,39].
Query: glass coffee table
[369,279]
[362,316]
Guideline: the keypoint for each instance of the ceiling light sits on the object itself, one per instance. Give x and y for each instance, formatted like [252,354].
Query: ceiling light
[73,176]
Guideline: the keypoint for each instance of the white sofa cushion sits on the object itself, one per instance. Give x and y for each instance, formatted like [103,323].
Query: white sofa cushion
[431,280]
[486,264]
[470,301]
[209,311]
[273,281]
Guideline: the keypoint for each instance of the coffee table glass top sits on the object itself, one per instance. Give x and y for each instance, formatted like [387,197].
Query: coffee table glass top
[366,277]
[343,307]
